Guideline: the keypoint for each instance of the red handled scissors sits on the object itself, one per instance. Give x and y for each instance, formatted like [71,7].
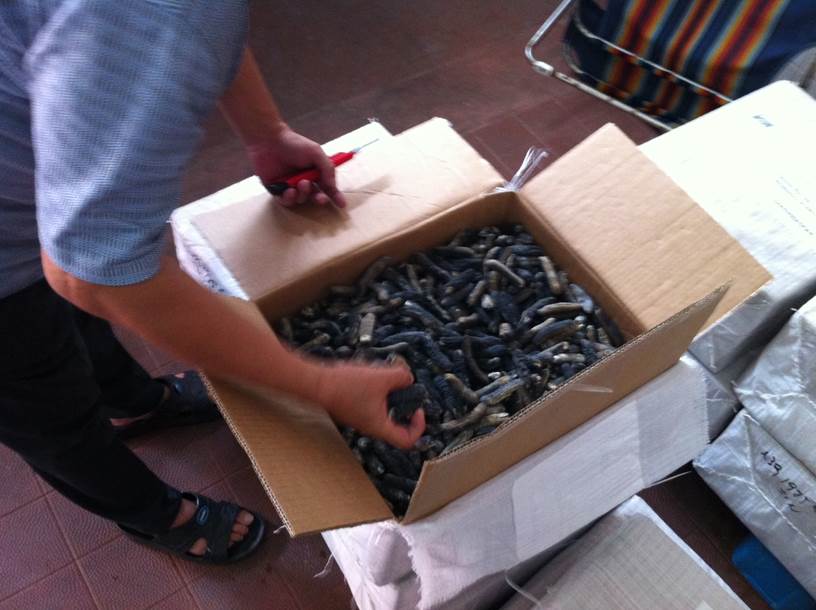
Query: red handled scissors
[279,186]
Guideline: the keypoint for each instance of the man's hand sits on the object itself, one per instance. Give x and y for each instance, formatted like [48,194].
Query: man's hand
[356,395]
[275,150]
[284,152]
[173,312]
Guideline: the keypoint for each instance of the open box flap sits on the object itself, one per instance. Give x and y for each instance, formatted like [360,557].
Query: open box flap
[558,413]
[389,185]
[631,223]
[301,460]
[297,453]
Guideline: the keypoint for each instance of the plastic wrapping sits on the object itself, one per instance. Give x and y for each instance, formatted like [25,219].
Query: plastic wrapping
[779,389]
[529,165]
[629,559]
[769,490]
[721,399]
[458,556]
[762,193]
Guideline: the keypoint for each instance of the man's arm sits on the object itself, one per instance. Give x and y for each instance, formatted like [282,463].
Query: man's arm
[274,149]
[173,312]
[111,140]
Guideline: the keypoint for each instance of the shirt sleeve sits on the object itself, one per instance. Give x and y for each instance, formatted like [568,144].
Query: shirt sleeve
[118,93]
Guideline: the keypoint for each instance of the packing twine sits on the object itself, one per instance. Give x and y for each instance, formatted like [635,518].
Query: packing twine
[520,590]
[327,569]
[531,161]
[667,479]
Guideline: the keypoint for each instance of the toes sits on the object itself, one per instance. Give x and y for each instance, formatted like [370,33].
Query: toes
[199,547]
[241,530]
[245,518]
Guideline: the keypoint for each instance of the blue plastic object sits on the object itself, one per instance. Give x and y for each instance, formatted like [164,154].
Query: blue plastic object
[769,577]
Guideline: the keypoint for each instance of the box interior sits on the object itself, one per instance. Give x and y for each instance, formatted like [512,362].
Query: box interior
[390,186]
[603,384]
[495,209]
[302,460]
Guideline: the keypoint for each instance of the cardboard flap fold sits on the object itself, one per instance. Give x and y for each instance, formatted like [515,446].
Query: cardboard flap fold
[654,247]
[447,478]
[390,185]
[299,455]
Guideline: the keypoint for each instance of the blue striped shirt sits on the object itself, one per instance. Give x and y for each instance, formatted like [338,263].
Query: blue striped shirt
[101,108]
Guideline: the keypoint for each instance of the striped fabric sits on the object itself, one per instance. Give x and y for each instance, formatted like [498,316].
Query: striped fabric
[101,106]
[729,46]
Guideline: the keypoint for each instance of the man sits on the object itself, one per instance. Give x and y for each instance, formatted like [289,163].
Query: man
[101,106]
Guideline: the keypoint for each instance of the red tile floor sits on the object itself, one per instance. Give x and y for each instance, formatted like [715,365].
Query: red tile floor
[331,66]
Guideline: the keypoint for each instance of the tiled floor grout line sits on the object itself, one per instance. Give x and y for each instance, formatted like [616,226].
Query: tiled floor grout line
[447,61]
[62,567]
[41,483]
[192,597]
[177,569]
[36,582]
[79,556]
[349,101]
[71,550]
[279,576]
[183,587]
[20,506]
[85,576]
[502,170]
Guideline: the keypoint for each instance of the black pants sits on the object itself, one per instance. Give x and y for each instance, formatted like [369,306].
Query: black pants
[62,375]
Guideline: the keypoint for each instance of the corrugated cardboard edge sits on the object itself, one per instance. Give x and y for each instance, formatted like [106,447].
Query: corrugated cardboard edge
[489,198]
[225,413]
[564,197]
[264,423]
[484,455]
[436,154]
[291,529]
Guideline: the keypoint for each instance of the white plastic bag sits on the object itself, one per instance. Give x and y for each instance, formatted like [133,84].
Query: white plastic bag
[779,389]
[769,490]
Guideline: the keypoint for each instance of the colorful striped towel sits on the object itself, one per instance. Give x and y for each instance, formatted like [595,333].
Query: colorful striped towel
[731,47]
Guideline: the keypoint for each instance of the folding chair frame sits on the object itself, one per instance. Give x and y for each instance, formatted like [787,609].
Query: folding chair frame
[542,67]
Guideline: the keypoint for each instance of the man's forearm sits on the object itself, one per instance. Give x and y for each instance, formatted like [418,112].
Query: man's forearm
[248,105]
[210,331]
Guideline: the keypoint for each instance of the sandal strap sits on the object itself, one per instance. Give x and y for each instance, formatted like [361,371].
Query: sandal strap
[189,385]
[212,521]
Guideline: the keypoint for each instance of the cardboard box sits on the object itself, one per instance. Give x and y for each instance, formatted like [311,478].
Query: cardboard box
[762,193]
[649,255]
[523,515]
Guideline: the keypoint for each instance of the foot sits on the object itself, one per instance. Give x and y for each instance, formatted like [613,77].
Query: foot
[124,421]
[185,401]
[240,526]
[207,531]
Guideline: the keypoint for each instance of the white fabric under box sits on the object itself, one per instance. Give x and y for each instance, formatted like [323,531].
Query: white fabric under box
[457,557]
[769,490]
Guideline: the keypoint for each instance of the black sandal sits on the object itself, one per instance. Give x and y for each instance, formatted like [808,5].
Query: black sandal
[187,403]
[212,521]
